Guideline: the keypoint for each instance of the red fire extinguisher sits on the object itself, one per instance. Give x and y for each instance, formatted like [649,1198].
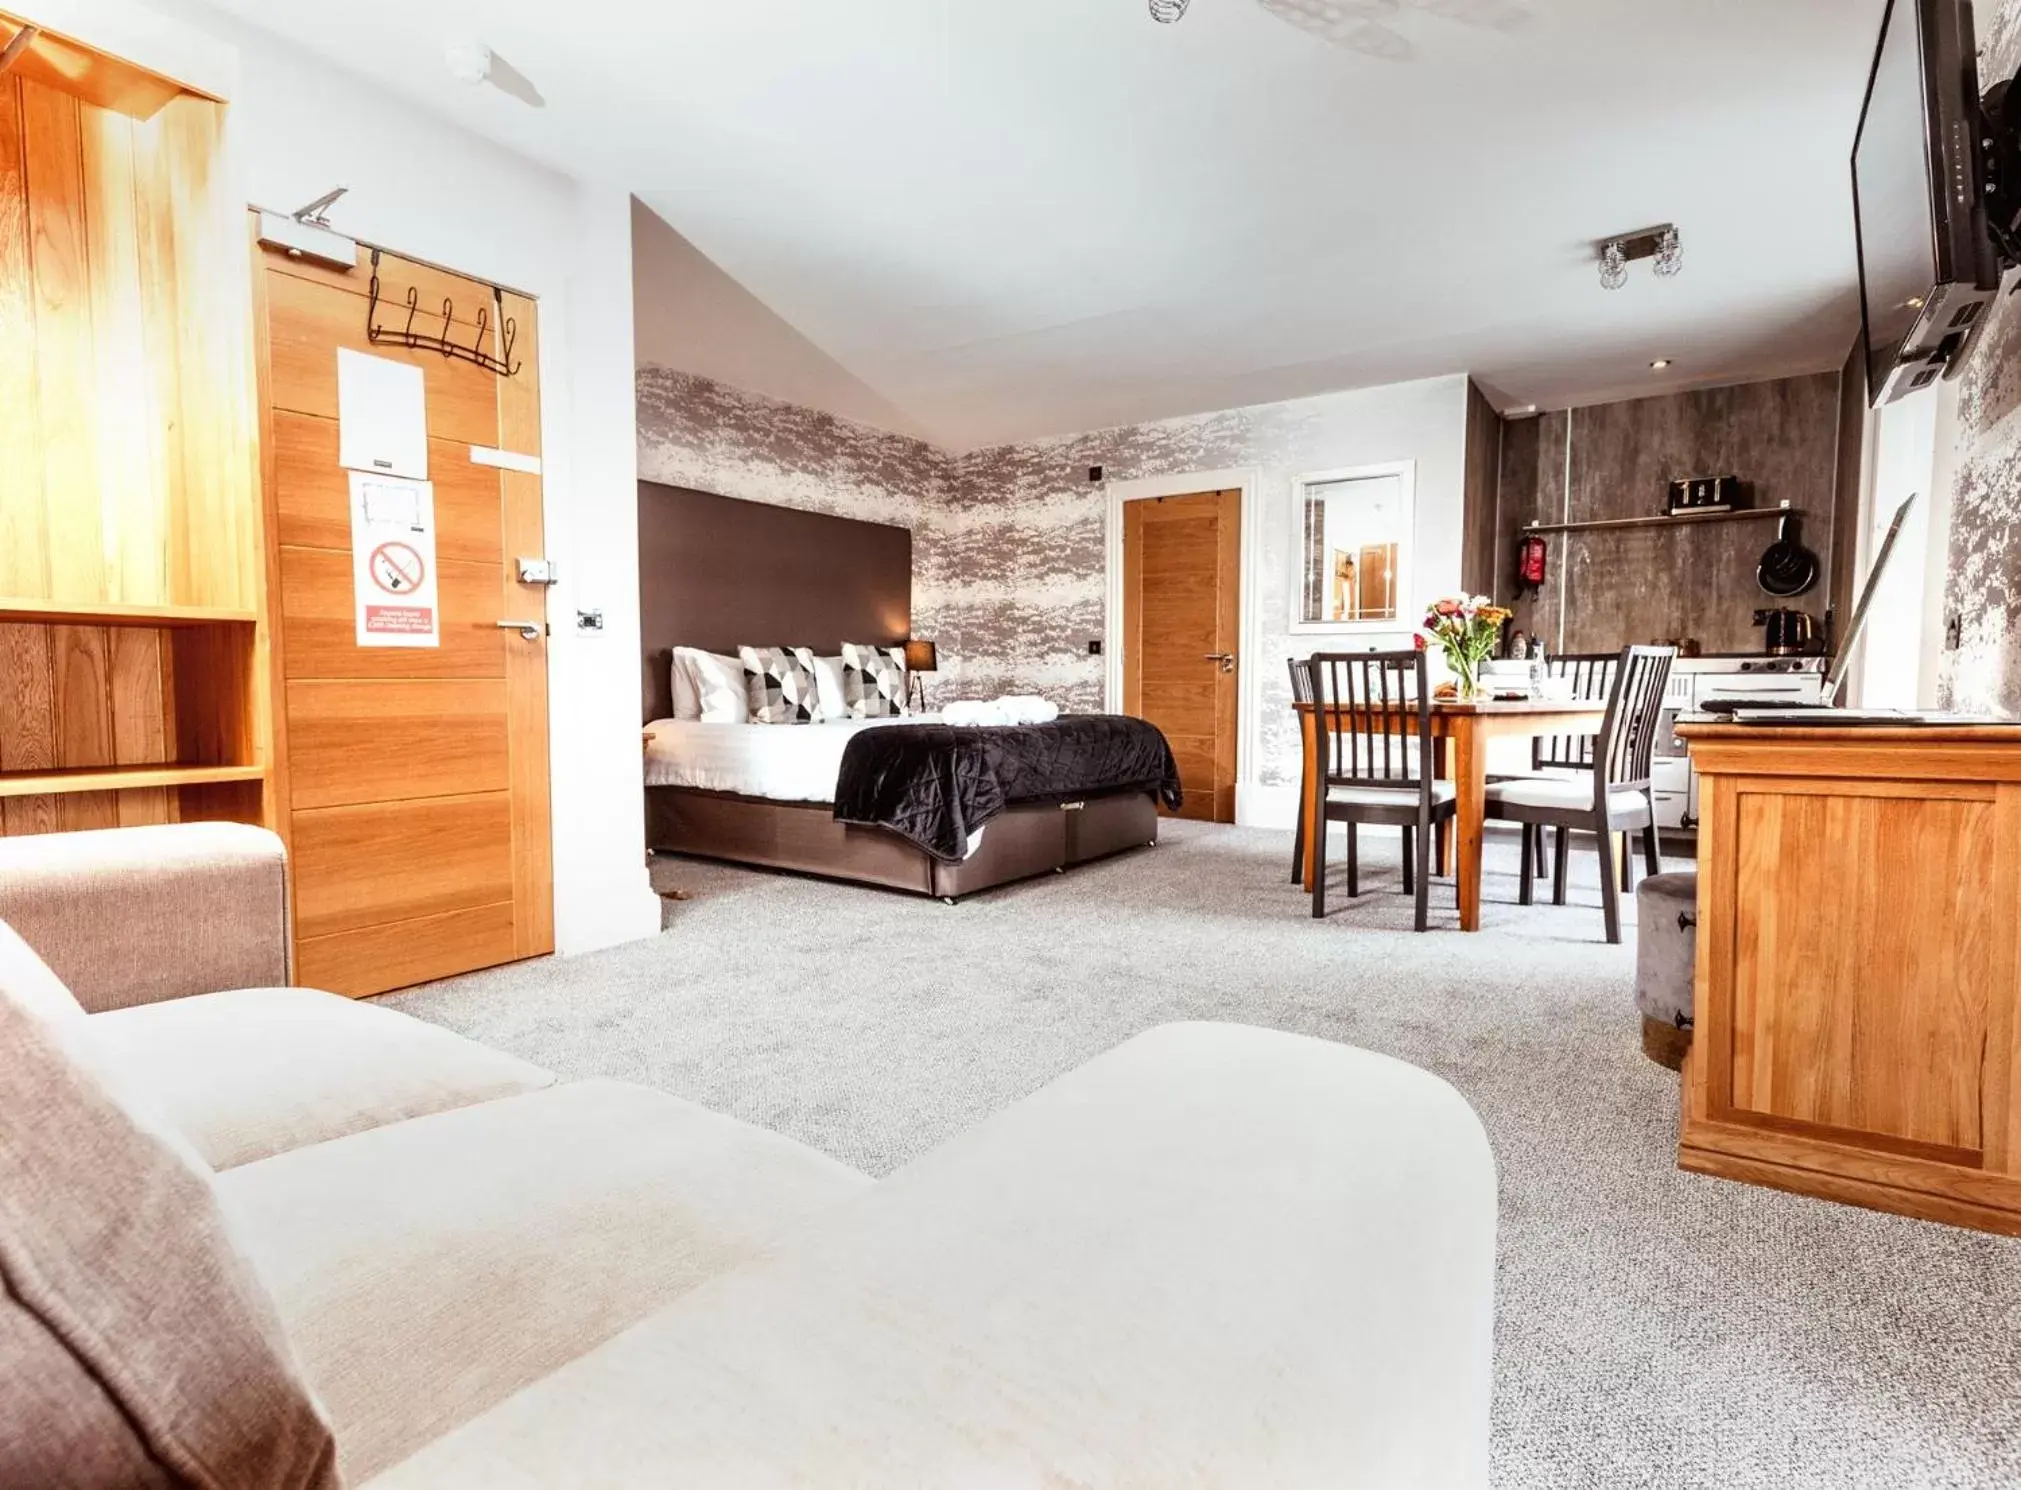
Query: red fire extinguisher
[1530,563]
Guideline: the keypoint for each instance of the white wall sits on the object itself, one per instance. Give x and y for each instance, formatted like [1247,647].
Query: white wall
[1897,651]
[298,127]
[693,318]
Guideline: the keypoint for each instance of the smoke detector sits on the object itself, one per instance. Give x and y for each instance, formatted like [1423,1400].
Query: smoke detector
[475,64]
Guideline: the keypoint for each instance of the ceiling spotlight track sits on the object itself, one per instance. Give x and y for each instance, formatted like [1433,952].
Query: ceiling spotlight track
[1168,11]
[1660,244]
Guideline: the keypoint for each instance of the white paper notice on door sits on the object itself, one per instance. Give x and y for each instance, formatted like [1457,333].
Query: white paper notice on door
[382,416]
[393,561]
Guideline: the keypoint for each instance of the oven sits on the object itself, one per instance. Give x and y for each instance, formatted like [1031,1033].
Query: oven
[1694,681]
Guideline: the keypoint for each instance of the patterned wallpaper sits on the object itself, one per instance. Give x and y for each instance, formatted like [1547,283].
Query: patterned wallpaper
[1983,586]
[696,432]
[1008,563]
[1023,591]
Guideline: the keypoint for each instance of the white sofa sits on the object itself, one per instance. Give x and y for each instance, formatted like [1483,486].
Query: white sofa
[1215,1256]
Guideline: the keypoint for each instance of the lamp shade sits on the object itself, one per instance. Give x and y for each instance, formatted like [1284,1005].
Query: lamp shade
[920,657]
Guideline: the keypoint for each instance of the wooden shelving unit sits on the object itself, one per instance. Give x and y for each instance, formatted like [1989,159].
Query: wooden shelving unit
[63,782]
[134,683]
[104,82]
[108,613]
[1668,520]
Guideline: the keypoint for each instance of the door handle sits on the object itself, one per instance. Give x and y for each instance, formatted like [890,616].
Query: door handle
[531,630]
[1226,659]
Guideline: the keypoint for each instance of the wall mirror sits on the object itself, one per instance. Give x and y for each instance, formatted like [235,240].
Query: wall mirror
[1353,549]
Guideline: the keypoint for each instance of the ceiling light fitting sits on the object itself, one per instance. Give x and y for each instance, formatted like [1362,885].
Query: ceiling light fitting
[1660,244]
[1659,364]
[1370,27]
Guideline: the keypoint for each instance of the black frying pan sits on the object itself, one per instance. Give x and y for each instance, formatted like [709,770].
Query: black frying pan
[1787,568]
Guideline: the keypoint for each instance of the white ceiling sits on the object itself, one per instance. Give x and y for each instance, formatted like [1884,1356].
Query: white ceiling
[1018,217]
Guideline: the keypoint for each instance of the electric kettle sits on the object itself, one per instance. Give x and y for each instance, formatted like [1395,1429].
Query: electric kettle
[1788,632]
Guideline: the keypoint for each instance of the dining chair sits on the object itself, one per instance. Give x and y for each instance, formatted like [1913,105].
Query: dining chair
[1301,693]
[1553,756]
[1373,711]
[1618,797]
[1592,675]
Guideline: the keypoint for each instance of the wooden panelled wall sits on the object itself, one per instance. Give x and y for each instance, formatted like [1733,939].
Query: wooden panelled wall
[130,545]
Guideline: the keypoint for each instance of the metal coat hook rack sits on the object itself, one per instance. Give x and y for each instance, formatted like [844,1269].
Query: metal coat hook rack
[423,341]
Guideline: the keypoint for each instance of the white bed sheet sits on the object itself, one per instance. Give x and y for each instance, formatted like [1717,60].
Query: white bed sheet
[785,762]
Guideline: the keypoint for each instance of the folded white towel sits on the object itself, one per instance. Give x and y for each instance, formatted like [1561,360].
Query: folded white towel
[1012,708]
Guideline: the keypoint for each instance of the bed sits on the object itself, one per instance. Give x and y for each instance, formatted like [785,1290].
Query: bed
[716,573]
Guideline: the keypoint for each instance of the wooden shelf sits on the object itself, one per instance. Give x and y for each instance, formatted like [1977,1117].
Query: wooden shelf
[63,782]
[99,79]
[103,613]
[1678,520]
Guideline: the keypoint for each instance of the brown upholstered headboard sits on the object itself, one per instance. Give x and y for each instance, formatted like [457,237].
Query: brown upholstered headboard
[718,573]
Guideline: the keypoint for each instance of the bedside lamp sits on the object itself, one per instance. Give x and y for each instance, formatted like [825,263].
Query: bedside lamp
[920,657]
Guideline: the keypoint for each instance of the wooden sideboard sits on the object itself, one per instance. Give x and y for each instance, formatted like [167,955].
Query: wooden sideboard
[1859,967]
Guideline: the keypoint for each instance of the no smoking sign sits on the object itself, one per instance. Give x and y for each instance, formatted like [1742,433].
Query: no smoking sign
[393,562]
[397,568]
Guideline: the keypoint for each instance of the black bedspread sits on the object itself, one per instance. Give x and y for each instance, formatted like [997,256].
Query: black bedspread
[935,784]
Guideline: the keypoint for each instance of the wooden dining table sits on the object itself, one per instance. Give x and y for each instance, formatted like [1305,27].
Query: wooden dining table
[1464,730]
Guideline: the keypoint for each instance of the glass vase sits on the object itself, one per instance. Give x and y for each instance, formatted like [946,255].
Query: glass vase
[1466,673]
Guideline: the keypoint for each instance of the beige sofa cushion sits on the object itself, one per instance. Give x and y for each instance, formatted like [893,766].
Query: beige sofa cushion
[198,907]
[1215,1256]
[259,1071]
[30,982]
[135,1346]
[427,1270]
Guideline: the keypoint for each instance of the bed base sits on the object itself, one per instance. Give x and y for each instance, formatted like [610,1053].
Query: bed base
[1020,842]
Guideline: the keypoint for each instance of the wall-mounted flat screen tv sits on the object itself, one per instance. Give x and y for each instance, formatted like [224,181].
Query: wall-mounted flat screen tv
[1928,267]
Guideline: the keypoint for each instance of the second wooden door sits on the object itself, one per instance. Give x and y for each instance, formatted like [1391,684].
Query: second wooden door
[1181,622]
[413,781]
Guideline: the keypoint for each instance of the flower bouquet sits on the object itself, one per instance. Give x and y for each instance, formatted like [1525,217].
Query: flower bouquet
[1466,629]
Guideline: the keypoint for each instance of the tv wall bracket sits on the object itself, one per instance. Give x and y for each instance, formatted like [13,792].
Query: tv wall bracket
[475,352]
[2000,169]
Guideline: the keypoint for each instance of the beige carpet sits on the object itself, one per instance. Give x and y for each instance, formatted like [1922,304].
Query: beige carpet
[1654,1328]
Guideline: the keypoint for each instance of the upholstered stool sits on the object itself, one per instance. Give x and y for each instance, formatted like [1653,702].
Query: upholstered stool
[1666,956]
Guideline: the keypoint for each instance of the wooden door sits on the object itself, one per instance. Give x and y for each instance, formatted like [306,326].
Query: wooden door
[1181,622]
[414,781]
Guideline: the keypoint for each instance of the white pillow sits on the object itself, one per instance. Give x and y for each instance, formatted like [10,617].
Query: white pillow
[829,702]
[713,685]
[687,698]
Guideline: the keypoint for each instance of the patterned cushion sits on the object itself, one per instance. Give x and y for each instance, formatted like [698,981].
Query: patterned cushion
[781,690]
[873,681]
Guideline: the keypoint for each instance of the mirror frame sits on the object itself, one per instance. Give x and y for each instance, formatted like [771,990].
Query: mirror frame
[1406,551]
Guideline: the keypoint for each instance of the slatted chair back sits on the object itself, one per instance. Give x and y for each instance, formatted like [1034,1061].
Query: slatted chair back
[1301,681]
[1627,739]
[1375,719]
[1592,675]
